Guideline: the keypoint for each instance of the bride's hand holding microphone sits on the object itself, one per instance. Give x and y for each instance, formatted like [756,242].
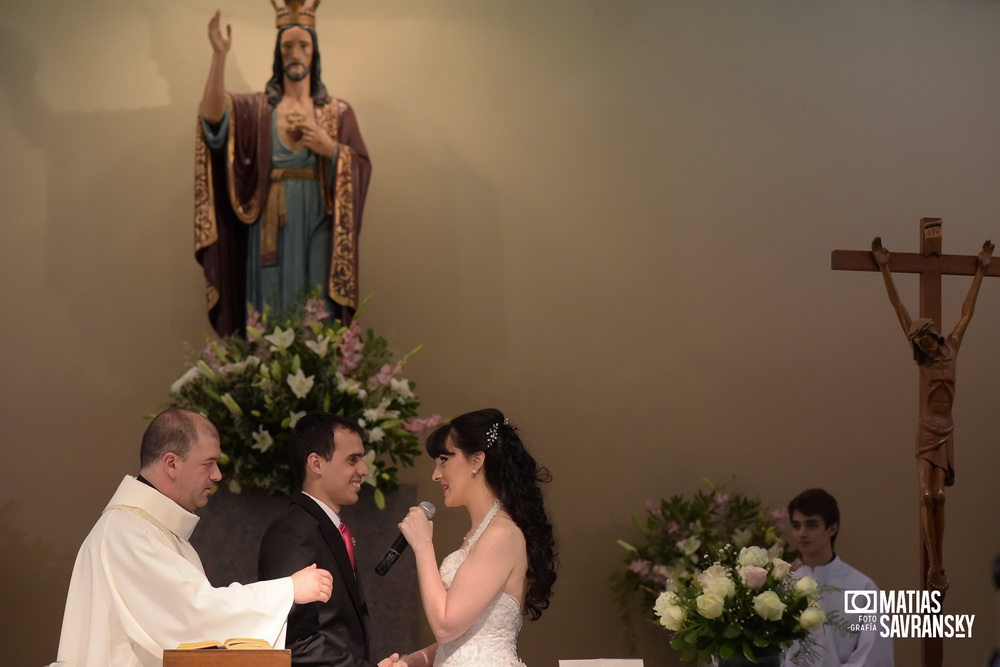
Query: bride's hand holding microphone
[417,528]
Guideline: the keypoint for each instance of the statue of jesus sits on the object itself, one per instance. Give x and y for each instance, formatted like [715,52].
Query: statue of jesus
[935,356]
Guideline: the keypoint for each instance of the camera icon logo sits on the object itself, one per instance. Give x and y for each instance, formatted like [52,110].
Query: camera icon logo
[860,602]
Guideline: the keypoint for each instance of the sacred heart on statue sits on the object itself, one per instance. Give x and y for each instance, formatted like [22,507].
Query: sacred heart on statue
[294,119]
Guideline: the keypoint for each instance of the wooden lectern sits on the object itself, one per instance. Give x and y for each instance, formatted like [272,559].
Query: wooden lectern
[227,658]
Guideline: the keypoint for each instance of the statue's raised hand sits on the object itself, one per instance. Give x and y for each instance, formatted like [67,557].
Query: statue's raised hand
[986,254]
[880,254]
[220,44]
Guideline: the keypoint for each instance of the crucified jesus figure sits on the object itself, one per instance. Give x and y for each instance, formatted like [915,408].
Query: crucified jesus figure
[935,356]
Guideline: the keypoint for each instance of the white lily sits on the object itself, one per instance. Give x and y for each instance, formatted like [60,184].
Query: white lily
[300,383]
[320,346]
[371,477]
[294,417]
[281,339]
[402,387]
[348,385]
[262,440]
[189,375]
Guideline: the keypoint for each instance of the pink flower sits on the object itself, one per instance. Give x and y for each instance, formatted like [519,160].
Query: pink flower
[416,425]
[351,348]
[253,321]
[384,377]
[640,567]
[315,312]
[653,508]
[673,528]
[754,577]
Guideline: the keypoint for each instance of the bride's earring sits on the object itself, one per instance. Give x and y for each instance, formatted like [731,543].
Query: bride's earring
[474,471]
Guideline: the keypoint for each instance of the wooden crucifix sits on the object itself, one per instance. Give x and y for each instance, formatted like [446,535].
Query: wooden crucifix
[936,356]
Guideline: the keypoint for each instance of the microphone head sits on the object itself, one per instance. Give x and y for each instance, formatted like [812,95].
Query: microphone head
[428,509]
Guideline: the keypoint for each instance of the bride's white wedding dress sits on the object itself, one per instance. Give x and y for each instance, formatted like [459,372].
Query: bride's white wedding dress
[491,641]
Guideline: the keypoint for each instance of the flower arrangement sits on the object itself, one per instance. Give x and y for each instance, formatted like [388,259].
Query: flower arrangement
[743,604]
[255,388]
[678,531]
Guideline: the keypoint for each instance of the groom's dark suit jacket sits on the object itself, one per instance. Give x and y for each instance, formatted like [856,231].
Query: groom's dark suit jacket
[334,633]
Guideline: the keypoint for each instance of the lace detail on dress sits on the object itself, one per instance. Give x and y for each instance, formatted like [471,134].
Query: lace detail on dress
[491,641]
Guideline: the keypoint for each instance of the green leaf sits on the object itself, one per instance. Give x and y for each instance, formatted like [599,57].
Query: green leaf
[379,498]
[219,354]
[627,547]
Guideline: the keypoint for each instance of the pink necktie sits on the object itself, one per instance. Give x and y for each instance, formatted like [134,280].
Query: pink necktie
[345,532]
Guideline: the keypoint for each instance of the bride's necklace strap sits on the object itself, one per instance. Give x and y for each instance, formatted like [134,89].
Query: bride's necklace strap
[485,522]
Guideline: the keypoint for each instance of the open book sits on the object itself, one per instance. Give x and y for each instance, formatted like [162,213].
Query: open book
[240,643]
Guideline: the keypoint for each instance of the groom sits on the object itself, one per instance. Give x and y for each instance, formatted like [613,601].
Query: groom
[326,455]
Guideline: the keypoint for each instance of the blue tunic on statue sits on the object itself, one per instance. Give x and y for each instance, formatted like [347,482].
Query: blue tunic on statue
[304,241]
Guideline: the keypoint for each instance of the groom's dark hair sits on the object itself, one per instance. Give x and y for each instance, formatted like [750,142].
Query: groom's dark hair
[315,433]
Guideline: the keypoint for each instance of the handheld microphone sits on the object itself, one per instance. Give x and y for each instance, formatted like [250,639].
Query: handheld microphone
[399,546]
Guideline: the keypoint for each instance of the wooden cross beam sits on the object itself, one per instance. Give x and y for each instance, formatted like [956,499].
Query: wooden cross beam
[929,263]
[936,358]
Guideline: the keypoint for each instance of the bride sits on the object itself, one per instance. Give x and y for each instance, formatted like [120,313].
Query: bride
[506,565]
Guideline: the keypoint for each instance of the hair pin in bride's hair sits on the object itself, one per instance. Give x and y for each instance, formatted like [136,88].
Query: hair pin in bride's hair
[493,433]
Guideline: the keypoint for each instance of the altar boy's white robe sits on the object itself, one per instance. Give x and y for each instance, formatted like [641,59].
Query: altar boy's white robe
[138,587]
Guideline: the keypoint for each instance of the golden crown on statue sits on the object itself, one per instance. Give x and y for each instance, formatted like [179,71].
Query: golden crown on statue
[295,13]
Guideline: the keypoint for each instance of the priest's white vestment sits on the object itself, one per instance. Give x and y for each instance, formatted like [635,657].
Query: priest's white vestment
[139,587]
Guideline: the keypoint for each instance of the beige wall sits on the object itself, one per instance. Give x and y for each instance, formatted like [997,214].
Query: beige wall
[612,220]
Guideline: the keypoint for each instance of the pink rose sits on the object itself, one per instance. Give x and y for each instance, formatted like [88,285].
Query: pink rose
[754,577]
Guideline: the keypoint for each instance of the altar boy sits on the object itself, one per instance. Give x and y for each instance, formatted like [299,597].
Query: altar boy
[815,522]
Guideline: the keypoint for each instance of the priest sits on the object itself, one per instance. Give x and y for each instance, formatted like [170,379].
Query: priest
[138,586]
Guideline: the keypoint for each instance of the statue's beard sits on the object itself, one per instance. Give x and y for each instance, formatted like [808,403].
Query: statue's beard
[296,71]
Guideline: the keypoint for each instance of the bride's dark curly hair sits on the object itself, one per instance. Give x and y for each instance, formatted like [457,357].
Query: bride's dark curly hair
[514,477]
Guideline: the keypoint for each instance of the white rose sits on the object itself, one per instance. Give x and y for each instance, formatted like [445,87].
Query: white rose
[714,572]
[812,618]
[753,556]
[721,586]
[781,569]
[769,606]
[710,605]
[807,586]
[671,615]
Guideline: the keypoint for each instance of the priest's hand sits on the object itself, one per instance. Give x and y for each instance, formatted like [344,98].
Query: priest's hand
[392,661]
[312,584]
